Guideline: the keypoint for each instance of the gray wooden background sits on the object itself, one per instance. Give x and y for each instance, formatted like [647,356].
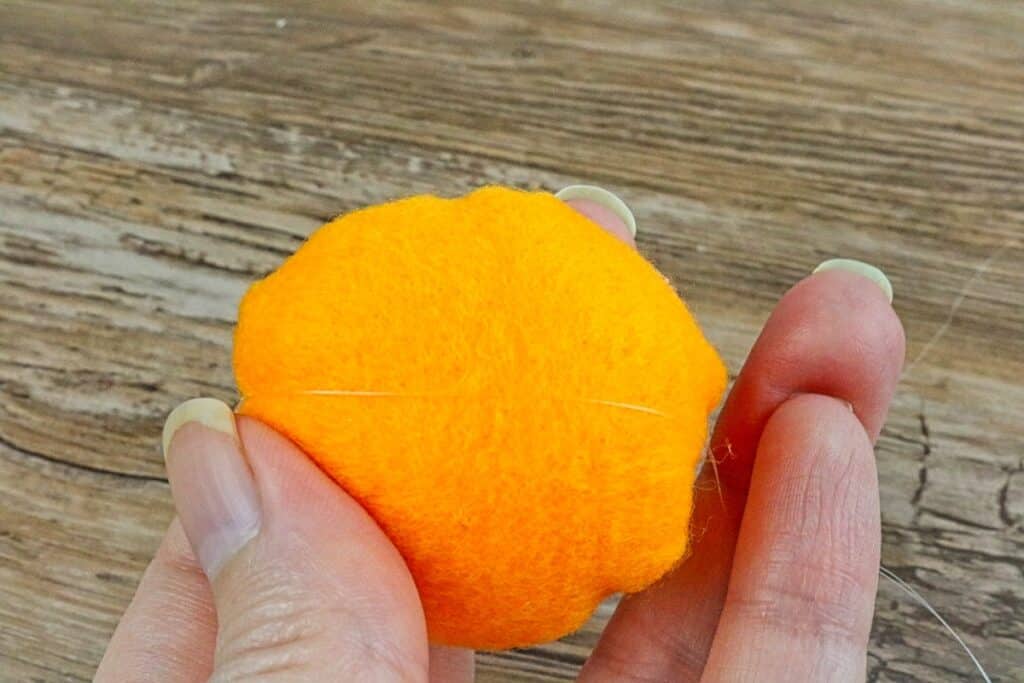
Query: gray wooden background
[156,157]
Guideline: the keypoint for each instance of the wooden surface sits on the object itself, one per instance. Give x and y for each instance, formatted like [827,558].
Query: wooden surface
[157,157]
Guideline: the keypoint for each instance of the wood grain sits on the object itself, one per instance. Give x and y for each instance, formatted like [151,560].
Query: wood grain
[155,157]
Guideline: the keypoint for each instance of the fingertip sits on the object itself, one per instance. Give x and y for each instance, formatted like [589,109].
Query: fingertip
[825,422]
[859,306]
[806,564]
[211,482]
[866,270]
[833,333]
[604,208]
[816,467]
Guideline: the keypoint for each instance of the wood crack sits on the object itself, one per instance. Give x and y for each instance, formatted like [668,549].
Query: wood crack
[922,472]
[91,469]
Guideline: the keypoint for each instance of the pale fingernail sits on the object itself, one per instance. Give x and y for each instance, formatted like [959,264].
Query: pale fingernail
[601,198]
[866,269]
[214,489]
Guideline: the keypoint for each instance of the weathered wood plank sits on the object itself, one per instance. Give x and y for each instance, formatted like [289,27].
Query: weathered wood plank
[155,157]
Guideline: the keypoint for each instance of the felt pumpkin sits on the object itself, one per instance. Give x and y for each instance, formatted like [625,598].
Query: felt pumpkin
[517,397]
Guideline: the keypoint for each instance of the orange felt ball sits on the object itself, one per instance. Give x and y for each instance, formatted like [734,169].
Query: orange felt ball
[517,397]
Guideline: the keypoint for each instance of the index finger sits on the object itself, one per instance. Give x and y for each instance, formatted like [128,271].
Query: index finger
[169,629]
[803,583]
[834,333]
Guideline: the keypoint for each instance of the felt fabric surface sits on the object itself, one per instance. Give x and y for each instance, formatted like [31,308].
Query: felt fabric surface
[517,397]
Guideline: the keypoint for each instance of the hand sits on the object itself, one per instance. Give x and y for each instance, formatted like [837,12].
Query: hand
[271,572]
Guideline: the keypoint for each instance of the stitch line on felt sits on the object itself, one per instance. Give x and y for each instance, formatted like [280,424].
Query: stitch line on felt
[635,407]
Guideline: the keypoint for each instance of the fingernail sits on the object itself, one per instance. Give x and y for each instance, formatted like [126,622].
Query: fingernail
[213,487]
[866,269]
[598,199]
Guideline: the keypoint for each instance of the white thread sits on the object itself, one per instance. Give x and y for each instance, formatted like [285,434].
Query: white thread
[978,273]
[909,590]
[390,394]
[343,392]
[627,406]
[957,302]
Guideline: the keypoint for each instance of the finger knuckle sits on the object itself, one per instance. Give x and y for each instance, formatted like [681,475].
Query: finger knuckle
[281,636]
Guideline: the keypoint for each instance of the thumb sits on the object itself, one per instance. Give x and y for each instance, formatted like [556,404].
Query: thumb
[305,585]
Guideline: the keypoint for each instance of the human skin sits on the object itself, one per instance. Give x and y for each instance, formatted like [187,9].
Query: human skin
[294,581]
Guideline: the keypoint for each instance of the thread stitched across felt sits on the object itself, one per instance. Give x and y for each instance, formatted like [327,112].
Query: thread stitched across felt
[517,397]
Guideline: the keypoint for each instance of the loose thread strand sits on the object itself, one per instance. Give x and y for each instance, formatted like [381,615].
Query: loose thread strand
[909,590]
[635,407]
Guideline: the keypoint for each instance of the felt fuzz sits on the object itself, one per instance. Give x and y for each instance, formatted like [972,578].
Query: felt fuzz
[517,397]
